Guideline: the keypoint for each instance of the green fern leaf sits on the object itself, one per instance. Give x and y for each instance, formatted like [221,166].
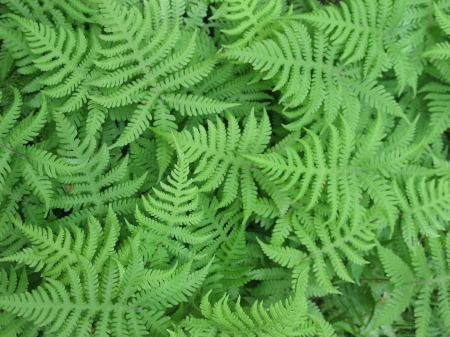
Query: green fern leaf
[422,311]
[40,185]
[46,162]
[250,17]
[280,318]
[424,208]
[174,211]
[283,57]
[196,105]
[439,119]
[138,75]
[215,152]
[442,19]
[402,277]
[343,176]
[231,258]
[336,243]
[285,256]
[363,28]
[63,55]
[99,287]
[7,121]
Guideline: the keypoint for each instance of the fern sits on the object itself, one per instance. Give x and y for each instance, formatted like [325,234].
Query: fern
[11,283]
[110,296]
[441,50]
[334,244]
[68,245]
[91,189]
[28,128]
[234,266]
[224,168]
[422,278]
[284,57]
[367,29]
[439,118]
[402,278]
[64,57]
[289,318]
[221,145]
[170,213]
[426,210]
[248,18]
[144,70]
[342,175]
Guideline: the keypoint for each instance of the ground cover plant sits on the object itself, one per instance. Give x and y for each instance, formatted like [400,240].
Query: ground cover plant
[224,168]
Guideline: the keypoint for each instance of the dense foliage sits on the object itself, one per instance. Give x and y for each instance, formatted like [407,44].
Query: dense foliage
[224,168]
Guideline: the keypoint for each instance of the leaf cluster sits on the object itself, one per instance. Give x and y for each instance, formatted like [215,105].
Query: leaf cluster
[224,168]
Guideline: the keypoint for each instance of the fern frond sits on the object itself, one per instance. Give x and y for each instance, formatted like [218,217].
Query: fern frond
[7,121]
[164,121]
[53,254]
[427,282]
[93,190]
[196,13]
[280,318]
[28,127]
[40,185]
[231,258]
[14,141]
[285,256]
[174,211]
[440,51]
[9,117]
[75,9]
[324,240]
[13,191]
[224,168]
[12,283]
[367,29]
[196,105]
[402,277]
[442,19]
[63,54]
[285,58]
[66,312]
[15,42]
[248,17]
[187,77]
[323,328]
[308,172]
[46,162]
[422,311]
[215,153]
[175,289]
[441,259]
[99,287]
[313,168]
[424,206]
[148,76]
[180,194]
[70,145]
[439,118]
